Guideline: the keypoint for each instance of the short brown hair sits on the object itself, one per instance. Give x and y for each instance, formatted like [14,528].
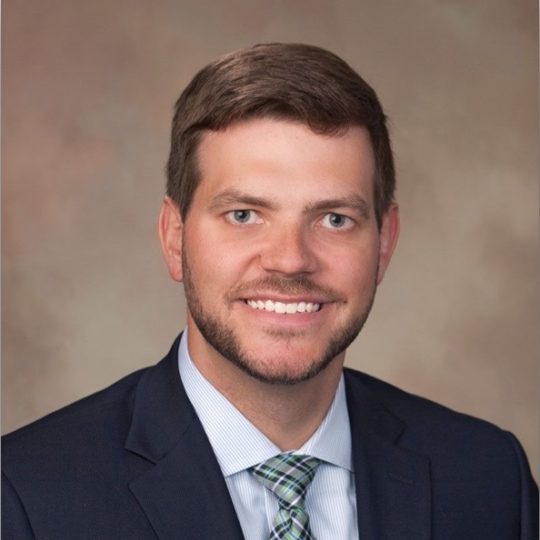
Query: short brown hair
[287,81]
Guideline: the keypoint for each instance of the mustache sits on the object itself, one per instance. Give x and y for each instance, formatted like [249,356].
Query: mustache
[296,286]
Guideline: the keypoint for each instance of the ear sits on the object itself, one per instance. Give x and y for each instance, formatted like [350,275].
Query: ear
[170,235]
[388,239]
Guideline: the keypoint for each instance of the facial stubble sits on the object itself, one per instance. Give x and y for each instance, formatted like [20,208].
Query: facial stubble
[222,338]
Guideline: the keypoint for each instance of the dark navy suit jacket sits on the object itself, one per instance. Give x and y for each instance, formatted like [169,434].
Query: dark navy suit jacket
[133,462]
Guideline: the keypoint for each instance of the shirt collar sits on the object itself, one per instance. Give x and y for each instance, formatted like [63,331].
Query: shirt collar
[239,445]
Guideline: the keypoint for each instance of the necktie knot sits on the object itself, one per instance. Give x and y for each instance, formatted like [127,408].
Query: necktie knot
[289,477]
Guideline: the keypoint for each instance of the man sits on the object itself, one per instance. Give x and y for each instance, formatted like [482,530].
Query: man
[280,222]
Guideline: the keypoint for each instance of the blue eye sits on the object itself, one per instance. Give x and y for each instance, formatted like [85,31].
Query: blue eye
[243,217]
[337,221]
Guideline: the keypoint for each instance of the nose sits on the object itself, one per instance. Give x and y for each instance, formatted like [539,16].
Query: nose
[288,250]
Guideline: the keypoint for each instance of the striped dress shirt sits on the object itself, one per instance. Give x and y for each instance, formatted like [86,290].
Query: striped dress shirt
[239,445]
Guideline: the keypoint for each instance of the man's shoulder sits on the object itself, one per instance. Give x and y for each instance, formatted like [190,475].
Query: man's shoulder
[104,416]
[72,466]
[475,469]
[428,425]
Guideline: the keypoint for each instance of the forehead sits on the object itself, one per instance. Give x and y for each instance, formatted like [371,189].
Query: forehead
[283,158]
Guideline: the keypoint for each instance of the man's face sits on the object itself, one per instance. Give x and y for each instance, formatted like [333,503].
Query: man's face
[280,252]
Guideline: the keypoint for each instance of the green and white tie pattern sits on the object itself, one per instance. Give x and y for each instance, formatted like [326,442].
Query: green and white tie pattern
[289,476]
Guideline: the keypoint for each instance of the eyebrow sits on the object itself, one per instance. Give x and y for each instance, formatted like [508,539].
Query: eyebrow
[353,201]
[234,196]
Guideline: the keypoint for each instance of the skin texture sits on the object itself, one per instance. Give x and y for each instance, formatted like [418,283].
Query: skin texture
[281,214]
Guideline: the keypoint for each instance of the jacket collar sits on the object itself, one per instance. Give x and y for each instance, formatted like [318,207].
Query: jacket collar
[183,494]
[393,487]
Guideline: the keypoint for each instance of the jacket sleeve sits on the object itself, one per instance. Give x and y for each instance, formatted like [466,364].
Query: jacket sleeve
[15,523]
[529,494]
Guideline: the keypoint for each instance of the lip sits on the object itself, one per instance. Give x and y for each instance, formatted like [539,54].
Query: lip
[282,319]
[287,299]
[278,307]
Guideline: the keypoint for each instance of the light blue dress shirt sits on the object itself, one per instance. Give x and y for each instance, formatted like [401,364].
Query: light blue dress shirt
[238,445]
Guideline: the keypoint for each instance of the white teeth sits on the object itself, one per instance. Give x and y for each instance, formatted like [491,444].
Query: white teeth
[281,307]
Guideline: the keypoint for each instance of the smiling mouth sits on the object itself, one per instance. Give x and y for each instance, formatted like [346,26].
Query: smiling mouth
[286,308]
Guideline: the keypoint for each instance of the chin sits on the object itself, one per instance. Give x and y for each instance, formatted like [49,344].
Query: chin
[289,362]
[283,356]
[283,374]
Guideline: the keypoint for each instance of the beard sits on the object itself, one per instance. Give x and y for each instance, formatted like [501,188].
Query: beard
[224,340]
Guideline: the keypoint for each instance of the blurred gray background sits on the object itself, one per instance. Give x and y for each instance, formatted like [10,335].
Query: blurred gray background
[88,92]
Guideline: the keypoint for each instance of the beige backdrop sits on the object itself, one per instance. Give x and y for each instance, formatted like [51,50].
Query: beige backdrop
[88,91]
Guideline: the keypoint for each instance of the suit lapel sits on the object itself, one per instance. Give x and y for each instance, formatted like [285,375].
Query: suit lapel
[392,484]
[183,492]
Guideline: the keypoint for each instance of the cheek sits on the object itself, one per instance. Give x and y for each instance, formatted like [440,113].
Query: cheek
[353,265]
[215,262]
[359,280]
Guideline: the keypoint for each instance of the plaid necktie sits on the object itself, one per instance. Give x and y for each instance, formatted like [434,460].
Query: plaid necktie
[288,476]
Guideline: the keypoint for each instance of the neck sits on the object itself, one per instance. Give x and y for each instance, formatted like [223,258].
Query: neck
[287,414]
